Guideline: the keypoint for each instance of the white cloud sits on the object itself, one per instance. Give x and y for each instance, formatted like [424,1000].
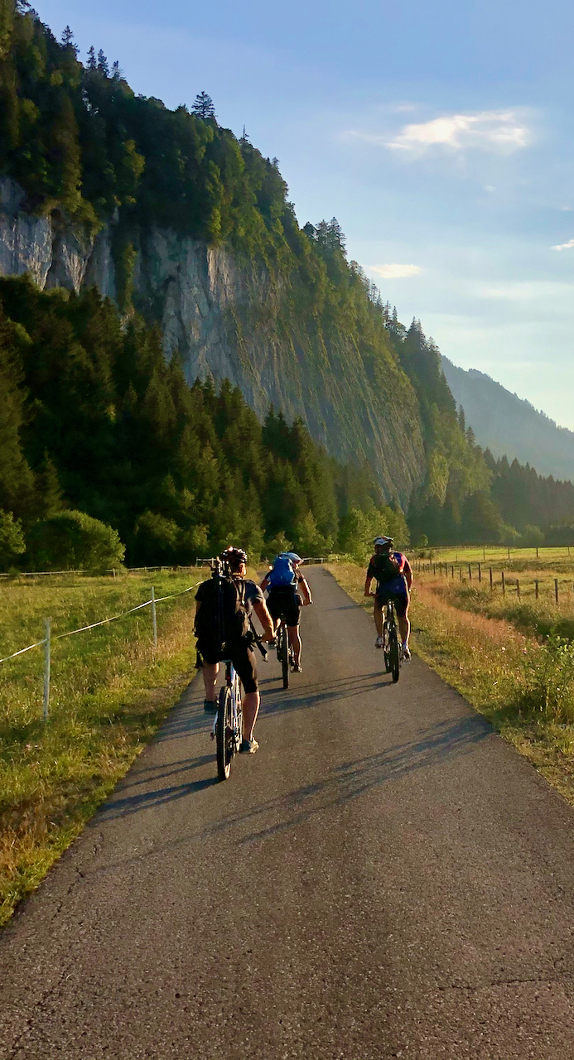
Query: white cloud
[395,272]
[564,246]
[566,209]
[498,131]
[489,187]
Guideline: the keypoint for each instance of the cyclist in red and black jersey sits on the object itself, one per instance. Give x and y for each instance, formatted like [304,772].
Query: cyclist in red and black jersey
[394,576]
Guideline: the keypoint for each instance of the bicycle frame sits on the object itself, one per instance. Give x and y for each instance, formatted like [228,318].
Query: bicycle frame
[228,721]
[284,650]
[391,641]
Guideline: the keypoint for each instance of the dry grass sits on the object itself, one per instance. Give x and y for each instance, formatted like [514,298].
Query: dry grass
[525,688]
[110,691]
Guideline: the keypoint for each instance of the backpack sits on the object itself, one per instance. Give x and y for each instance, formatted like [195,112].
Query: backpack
[386,567]
[222,619]
[282,574]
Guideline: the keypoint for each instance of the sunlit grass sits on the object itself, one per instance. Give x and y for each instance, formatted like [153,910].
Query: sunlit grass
[109,692]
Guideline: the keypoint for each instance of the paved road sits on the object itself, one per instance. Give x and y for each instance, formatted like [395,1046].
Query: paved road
[385,878]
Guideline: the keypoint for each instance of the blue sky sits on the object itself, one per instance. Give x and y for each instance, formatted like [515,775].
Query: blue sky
[440,134]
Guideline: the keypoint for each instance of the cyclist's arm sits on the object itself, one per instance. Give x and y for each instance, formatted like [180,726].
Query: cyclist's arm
[408,573]
[264,583]
[260,608]
[303,585]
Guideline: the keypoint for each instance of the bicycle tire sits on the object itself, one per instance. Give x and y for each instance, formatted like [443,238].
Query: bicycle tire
[223,734]
[285,658]
[394,654]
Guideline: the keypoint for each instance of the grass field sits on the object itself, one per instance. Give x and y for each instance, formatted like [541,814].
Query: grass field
[521,681]
[499,556]
[109,691]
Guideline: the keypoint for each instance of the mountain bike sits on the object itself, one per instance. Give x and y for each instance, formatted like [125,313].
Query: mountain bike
[391,641]
[227,724]
[284,651]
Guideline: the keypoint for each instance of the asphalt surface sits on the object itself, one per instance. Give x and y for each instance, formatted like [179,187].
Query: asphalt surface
[385,878]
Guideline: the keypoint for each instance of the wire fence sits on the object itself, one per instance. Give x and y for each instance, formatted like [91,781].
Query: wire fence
[48,640]
[562,590]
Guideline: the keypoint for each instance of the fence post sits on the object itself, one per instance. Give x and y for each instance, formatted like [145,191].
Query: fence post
[460,573]
[490,573]
[469,573]
[452,569]
[556,589]
[518,588]
[536,588]
[153,618]
[47,624]
[479,573]
[503,584]
[537,552]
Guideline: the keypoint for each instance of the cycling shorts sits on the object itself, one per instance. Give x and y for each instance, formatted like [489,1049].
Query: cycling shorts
[395,590]
[242,657]
[285,603]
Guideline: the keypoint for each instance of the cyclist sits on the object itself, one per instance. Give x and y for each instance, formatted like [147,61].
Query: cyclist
[284,582]
[241,652]
[394,576]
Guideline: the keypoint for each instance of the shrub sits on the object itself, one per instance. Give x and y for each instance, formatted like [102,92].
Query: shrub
[11,539]
[72,540]
[549,685]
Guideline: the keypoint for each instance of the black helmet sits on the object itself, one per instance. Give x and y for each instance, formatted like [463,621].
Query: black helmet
[234,557]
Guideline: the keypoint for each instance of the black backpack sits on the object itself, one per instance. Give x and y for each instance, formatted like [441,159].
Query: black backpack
[222,619]
[386,568]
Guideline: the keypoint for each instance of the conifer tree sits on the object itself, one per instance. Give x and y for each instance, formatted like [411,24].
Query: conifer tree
[203,106]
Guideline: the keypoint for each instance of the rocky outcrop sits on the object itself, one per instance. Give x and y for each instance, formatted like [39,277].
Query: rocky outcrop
[229,319]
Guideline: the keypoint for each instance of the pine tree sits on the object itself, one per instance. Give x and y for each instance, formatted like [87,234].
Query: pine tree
[103,65]
[203,106]
[92,61]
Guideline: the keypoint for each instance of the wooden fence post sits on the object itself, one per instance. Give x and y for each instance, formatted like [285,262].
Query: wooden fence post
[479,573]
[452,570]
[153,618]
[536,588]
[518,588]
[47,647]
[503,584]
[556,589]
[490,574]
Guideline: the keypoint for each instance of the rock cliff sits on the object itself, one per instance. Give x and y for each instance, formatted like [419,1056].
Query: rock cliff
[229,318]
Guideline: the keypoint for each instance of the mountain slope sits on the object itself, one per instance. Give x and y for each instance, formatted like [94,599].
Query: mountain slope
[510,426]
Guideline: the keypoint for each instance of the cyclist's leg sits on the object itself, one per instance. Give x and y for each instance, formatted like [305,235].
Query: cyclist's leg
[295,642]
[244,663]
[402,609]
[209,669]
[292,612]
[378,614]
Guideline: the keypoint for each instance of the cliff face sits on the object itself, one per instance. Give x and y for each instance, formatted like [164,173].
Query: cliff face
[230,319]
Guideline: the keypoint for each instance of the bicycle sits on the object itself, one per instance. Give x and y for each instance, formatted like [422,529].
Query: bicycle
[391,641]
[227,724]
[284,651]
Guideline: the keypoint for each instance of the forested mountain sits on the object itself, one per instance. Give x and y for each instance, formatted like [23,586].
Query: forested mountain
[163,250]
[510,426]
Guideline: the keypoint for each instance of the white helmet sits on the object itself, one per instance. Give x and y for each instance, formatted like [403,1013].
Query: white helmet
[385,542]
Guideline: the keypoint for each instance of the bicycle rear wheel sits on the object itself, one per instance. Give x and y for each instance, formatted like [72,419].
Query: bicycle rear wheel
[395,664]
[285,656]
[224,734]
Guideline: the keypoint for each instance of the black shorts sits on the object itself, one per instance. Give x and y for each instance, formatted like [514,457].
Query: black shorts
[242,657]
[286,604]
[395,590]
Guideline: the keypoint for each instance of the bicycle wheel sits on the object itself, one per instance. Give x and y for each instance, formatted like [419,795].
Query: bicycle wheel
[238,720]
[224,735]
[285,657]
[386,643]
[394,653]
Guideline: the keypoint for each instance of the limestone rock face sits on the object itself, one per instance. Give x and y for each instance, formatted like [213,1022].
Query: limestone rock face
[227,318]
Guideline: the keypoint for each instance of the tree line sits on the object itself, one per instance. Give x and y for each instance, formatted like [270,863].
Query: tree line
[94,420]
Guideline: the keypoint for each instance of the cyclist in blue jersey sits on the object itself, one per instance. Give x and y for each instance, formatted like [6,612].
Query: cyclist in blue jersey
[288,592]
[394,577]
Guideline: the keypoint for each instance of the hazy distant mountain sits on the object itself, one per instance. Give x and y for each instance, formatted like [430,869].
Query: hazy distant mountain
[510,426]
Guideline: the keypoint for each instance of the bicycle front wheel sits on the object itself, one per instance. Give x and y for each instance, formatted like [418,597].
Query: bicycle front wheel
[224,734]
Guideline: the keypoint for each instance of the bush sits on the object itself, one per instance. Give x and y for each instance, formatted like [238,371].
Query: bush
[73,540]
[549,687]
[11,539]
